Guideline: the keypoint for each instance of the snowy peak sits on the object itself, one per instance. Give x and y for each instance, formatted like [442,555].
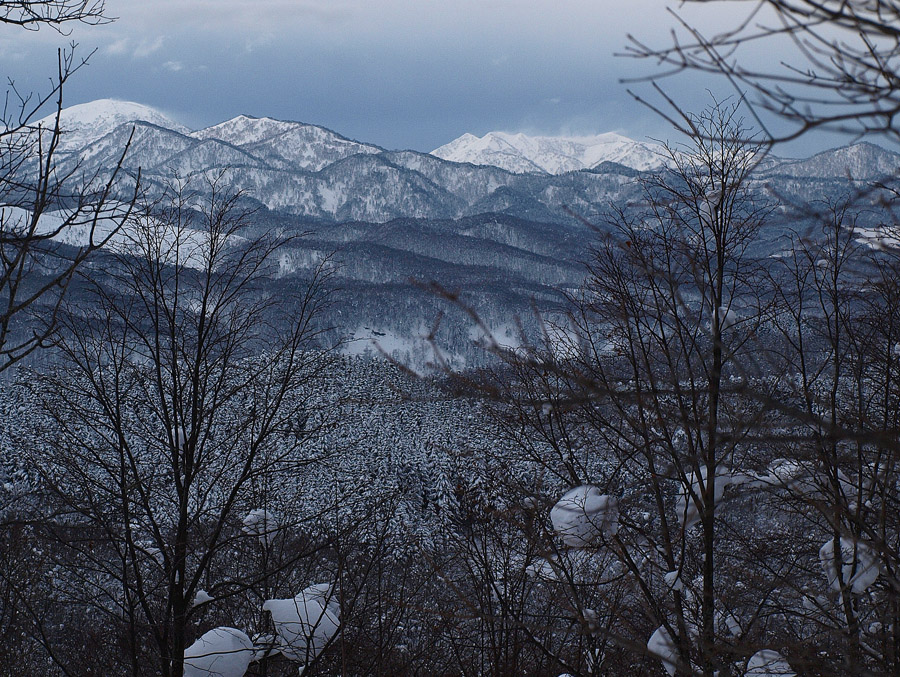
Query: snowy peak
[286,144]
[244,130]
[87,122]
[859,162]
[520,153]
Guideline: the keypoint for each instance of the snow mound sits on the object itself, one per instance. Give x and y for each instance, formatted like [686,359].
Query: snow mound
[261,523]
[583,514]
[687,506]
[201,597]
[306,623]
[661,645]
[673,580]
[859,568]
[221,652]
[768,663]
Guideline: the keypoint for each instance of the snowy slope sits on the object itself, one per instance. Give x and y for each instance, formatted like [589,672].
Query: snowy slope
[860,162]
[188,247]
[85,123]
[310,171]
[549,154]
[286,144]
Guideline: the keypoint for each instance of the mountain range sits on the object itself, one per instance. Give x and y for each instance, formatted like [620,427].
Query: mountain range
[505,220]
[312,172]
[523,154]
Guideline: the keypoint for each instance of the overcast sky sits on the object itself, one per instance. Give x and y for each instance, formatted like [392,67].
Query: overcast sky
[398,73]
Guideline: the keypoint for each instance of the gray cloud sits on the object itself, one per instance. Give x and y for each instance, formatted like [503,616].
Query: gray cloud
[400,73]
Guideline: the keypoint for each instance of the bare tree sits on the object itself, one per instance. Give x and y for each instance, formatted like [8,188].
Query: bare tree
[51,219]
[641,398]
[839,72]
[32,14]
[837,337]
[185,403]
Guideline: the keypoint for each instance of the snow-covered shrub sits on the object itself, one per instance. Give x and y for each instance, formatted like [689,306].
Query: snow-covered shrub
[661,645]
[768,663]
[859,568]
[306,623]
[583,514]
[686,506]
[261,523]
[221,652]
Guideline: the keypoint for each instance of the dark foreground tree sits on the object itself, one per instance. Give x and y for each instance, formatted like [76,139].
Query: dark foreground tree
[636,400]
[183,407]
[837,68]
[51,219]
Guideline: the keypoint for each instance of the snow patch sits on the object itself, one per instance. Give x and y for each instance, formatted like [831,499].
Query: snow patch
[583,515]
[263,524]
[859,566]
[221,652]
[306,623]
[687,506]
[521,154]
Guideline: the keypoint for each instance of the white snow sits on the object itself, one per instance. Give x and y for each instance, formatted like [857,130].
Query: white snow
[687,506]
[662,646]
[768,663]
[221,652]
[880,237]
[266,645]
[727,318]
[186,247]
[583,514]
[519,153]
[859,565]
[201,597]
[673,580]
[306,623]
[87,122]
[263,524]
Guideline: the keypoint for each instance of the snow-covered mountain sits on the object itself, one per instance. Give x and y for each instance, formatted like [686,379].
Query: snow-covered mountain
[286,144]
[311,172]
[85,123]
[519,153]
[859,162]
[506,236]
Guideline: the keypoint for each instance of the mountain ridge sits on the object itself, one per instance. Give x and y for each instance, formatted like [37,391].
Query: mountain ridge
[508,242]
[312,172]
[520,153]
